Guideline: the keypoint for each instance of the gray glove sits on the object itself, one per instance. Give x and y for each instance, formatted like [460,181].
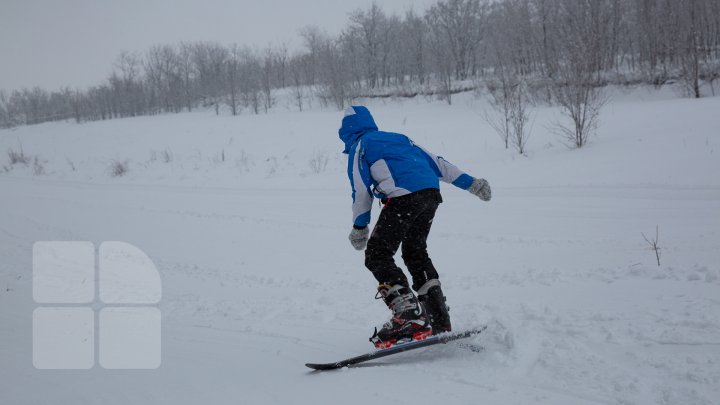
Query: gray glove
[480,188]
[359,237]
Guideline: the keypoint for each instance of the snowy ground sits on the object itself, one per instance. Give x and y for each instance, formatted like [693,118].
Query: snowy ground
[259,278]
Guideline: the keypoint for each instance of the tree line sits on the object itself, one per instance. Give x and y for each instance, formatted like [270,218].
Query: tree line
[454,45]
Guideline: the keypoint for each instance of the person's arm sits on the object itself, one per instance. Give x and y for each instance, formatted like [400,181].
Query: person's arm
[447,171]
[450,173]
[359,175]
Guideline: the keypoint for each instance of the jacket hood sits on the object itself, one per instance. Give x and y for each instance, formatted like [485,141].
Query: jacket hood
[357,122]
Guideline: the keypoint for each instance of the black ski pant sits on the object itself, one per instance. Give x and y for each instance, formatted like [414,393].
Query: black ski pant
[404,220]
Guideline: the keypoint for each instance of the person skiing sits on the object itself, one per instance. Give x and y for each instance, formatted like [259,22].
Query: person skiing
[405,177]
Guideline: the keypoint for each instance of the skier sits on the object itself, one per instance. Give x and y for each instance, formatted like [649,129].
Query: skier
[404,177]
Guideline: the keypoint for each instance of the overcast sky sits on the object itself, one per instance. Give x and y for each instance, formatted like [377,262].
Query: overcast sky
[55,43]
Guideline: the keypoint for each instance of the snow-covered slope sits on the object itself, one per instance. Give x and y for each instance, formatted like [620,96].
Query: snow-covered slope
[247,225]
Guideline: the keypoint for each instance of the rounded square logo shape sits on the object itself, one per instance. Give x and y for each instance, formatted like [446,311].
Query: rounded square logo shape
[63,338]
[63,272]
[130,338]
[127,275]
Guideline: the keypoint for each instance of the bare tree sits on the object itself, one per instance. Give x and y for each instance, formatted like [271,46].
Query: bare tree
[209,61]
[186,73]
[233,72]
[314,40]
[297,67]
[442,64]
[330,70]
[654,244]
[510,119]
[252,82]
[504,83]
[132,90]
[459,25]
[545,38]
[711,73]
[414,42]
[162,67]
[520,117]
[582,102]
[576,85]
[365,28]
[694,47]
[500,101]
[280,61]
[4,112]
[266,78]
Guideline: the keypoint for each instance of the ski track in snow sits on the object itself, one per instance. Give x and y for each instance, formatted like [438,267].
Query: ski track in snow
[258,276]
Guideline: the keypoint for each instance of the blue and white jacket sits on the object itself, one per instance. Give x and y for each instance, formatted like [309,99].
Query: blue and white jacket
[388,165]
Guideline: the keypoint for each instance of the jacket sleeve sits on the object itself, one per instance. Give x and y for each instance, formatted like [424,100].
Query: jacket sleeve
[360,181]
[447,171]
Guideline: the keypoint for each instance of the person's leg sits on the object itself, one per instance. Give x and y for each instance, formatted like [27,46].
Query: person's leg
[425,277]
[414,245]
[394,221]
[409,321]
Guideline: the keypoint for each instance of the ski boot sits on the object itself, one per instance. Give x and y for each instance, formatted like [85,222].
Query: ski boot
[408,322]
[432,299]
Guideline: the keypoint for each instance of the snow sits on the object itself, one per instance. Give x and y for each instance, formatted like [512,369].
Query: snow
[258,276]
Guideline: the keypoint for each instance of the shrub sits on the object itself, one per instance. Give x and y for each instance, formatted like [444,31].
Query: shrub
[118,168]
[38,166]
[318,162]
[18,157]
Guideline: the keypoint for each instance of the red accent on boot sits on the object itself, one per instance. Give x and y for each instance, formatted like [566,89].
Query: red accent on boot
[423,334]
[385,345]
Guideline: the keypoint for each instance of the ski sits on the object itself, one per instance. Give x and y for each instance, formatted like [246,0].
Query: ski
[417,344]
